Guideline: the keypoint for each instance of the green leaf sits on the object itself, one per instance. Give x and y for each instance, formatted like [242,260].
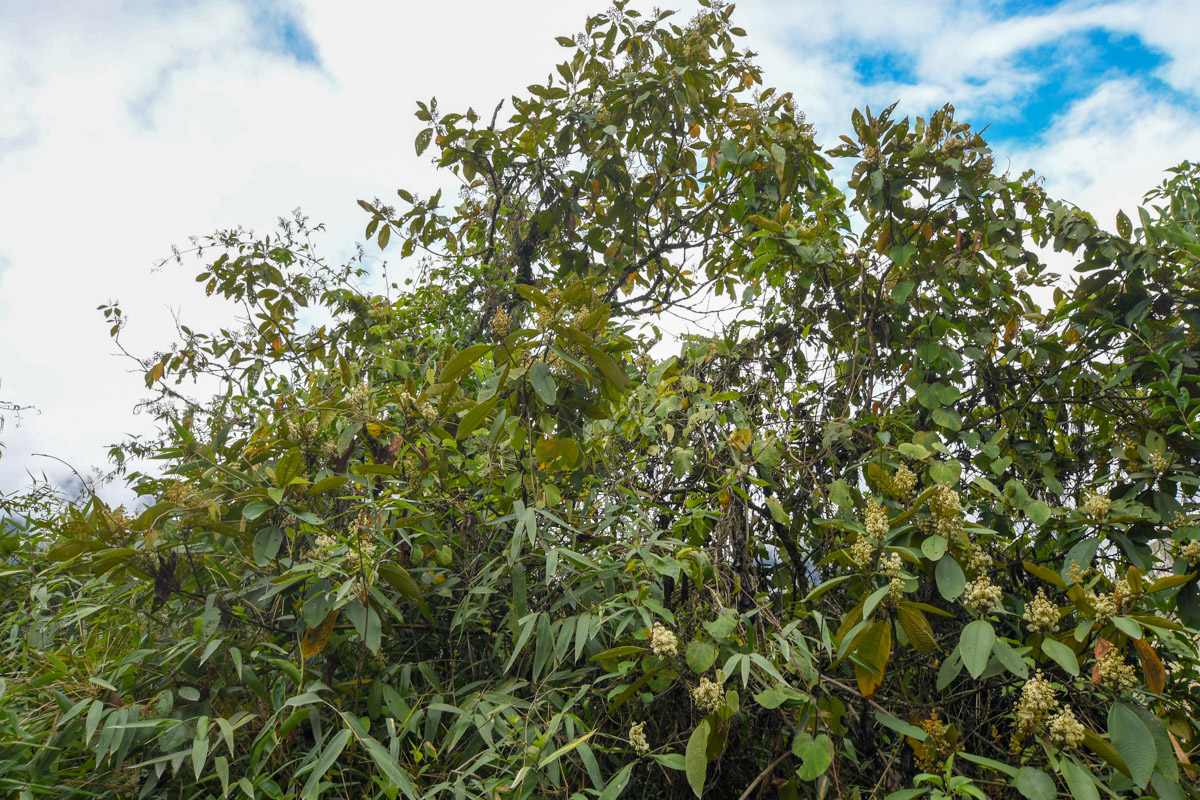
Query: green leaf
[947,418]
[696,757]
[618,652]
[1035,784]
[1061,654]
[402,582]
[326,484]
[1124,227]
[461,361]
[288,467]
[200,746]
[934,547]
[951,581]
[1133,741]
[900,726]
[901,291]
[617,785]
[388,765]
[266,545]
[422,140]
[472,419]
[725,624]
[913,451]
[566,748]
[1009,657]
[946,471]
[773,697]
[1048,575]
[1039,512]
[975,646]
[674,761]
[815,754]
[776,509]
[329,754]
[1079,779]
[543,384]
[700,656]
[612,371]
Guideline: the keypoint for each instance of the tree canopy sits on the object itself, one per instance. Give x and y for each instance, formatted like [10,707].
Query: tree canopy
[898,510]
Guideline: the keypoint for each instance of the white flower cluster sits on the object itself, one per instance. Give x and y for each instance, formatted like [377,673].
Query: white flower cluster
[1158,462]
[429,412]
[875,519]
[977,560]
[323,546]
[501,323]
[893,567]
[1096,505]
[303,431]
[637,738]
[663,642]
[861,551]
[1065,730]
[903,481]
[708,696]
[945,502]
[355,558]
[946,508]
[1191,552]
[981,594]
[1040,614]
[1115,673]
[1106,606]
[360,395]
[1037,700]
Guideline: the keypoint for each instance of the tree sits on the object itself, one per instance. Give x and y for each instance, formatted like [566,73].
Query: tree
[891,528]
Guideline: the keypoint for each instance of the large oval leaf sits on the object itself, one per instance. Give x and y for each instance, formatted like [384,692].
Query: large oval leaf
[975,646]
[1133,741]
[1035,784]
[951,581]
[1061,654]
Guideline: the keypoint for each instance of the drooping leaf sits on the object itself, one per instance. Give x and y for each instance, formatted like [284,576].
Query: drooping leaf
[975,646]
[1133,742]
[696,757]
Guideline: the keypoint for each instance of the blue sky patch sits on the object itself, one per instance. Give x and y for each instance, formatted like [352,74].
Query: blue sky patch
[280,31]
[1070,69]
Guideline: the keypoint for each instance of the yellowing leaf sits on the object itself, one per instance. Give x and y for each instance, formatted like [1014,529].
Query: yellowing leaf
[1152,666]
[315,638]
[917,629]
[874,650]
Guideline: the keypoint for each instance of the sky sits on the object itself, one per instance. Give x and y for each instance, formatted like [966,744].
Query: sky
[128,126]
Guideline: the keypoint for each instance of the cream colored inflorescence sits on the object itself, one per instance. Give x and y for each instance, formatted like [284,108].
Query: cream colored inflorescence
[1037,701]
[708,696]
[1065,730]
[1096,505]
[861,551]
[637,738]
[981,594]
[1115,672]
[1041,615]
[1191,552]
[875,519]
[904,481]
[947,510]
[663,642]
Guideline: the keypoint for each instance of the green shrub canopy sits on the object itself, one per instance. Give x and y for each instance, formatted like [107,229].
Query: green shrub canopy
[914,516]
